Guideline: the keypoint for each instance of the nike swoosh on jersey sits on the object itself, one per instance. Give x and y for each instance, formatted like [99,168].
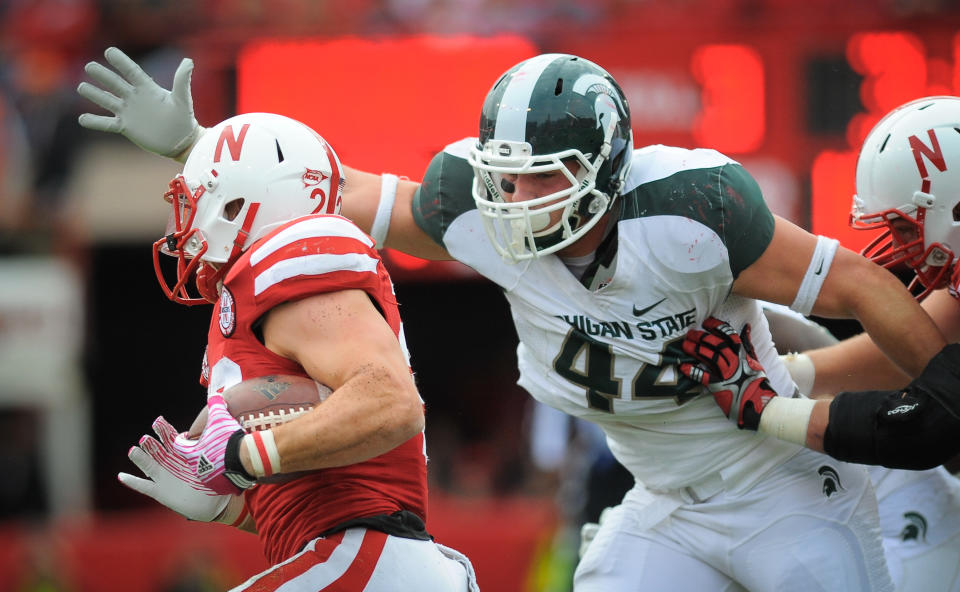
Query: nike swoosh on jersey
[639,312]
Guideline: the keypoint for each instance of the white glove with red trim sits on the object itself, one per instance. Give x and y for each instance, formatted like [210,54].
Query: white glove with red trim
[214,457]
[171,482]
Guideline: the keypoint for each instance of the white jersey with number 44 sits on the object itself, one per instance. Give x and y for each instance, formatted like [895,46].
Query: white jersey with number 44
[606,347]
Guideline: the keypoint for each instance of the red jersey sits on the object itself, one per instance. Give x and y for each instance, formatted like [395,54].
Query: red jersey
[308,256]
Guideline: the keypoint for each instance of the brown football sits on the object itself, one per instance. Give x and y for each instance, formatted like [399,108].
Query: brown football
[267,401]
[261,403]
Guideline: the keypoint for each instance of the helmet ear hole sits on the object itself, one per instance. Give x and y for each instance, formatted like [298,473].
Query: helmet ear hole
[232,209]
[956,212]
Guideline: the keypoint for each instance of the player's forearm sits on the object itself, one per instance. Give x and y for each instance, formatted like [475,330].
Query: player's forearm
[888,313]
[370,202]
[911,428]
[819,418]
[855,364]
[369,415]
[361,192]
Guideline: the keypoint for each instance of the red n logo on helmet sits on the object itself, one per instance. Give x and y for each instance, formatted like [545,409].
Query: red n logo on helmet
[933,153]
[234,143]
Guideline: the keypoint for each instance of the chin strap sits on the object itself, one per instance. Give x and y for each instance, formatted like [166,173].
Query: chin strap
[207,282]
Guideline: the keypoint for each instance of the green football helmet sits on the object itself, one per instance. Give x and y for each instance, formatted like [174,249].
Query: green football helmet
[541,115]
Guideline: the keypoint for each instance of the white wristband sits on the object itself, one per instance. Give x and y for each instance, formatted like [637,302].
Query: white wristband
[381,221]
[816,272]
[264,456]
[787,419]
[801,370]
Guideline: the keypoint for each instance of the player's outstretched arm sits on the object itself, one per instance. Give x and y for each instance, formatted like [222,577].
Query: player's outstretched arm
[162,121]
[152,117]
[852,287]
[858,364]
[382,205]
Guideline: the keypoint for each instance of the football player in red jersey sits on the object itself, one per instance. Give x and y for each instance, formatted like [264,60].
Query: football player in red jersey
[298,290]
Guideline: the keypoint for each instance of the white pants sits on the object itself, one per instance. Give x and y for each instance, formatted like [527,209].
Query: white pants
[920,523]
[809,525]
[359,559]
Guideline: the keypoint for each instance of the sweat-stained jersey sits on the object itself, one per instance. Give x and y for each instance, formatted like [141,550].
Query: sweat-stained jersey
[606,348]
[305,257]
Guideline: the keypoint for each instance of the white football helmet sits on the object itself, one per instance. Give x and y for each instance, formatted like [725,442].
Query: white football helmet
[244,177]
[908,176]
[541,113]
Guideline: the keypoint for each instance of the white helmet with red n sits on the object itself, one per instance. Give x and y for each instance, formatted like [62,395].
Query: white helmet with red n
[908,182]
[243,178]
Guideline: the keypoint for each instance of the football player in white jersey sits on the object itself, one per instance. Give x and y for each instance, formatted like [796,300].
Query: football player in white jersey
[608,256]
[908,184]
[297,290]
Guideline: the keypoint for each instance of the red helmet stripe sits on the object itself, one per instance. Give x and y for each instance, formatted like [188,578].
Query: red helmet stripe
[335,176]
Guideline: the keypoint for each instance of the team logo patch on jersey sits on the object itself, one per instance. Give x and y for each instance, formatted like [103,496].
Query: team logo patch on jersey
[228,314]
[831,480]
[205,366]
[915,529]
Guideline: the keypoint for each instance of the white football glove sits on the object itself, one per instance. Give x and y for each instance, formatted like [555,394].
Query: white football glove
[172,482]
[150,116]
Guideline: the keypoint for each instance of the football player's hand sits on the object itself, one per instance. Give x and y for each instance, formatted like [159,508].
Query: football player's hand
[207,456]
[157,120]
[171,482]
[728,367]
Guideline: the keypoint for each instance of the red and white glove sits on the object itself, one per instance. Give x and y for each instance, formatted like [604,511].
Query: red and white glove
[171,482]
[728,367]
[214,457]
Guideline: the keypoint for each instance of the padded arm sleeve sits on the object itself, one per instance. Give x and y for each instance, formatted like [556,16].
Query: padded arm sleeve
[915,428]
